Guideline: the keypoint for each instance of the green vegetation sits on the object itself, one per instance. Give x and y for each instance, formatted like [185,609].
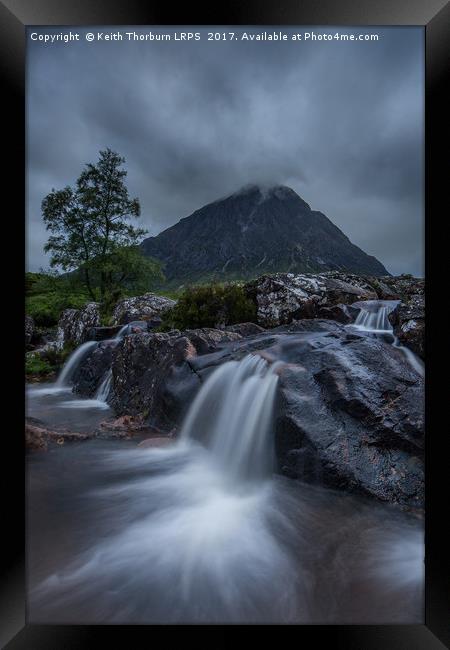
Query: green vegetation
[40,365]
[47,295]
[36,366]
[209,306]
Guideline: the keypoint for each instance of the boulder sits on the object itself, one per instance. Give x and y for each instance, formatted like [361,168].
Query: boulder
[408,321]
[74,324]
[90,373]
[340,313]
[350,416]
[245,329]
[147,307]
[284,297]
[387,287]
[38,436]
[349,409]
[150,372]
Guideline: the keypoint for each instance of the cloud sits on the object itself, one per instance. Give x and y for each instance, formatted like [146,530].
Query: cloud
[341,123]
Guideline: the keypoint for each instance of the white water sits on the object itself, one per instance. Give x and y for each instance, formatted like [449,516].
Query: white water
[374,319]
[73,362]
[201,532]
[232,416]
[121,333]
[103,390]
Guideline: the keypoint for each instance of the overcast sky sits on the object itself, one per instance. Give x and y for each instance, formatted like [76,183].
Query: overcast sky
[339,122]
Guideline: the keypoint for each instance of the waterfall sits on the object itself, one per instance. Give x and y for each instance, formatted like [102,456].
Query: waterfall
[373,317]
[121,333]
[232,416]
[73,362]
[103,390]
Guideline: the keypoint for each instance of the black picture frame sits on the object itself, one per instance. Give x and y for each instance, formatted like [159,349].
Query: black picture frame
[434,16]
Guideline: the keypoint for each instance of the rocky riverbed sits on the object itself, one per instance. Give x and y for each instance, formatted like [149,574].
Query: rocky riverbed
[346,426]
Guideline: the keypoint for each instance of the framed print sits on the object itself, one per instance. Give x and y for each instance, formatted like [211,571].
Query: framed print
[227,229]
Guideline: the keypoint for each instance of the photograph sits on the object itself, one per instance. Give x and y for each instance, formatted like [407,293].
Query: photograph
[225,324]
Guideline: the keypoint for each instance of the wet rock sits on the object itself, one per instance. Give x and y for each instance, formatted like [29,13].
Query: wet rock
[74,324]
[157,441]
[148,375]
[38,437]
[340,313]
[91,372]
[284,297]
[245,329]
[207,339]
[147,307]
[103,333]
[408,321]
[350,416]
[349,411]
[152,374]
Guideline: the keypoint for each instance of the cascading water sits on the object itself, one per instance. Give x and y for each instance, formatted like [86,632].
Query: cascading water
[103,390]
[123,330]
[73,363]
[196,532]
[373,318]
[232,416]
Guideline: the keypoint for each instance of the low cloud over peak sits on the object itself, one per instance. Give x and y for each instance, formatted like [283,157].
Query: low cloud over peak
[341,123]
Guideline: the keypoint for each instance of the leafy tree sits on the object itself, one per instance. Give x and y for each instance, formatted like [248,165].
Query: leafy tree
[91,230]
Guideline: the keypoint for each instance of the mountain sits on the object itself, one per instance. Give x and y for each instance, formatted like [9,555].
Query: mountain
[255,231]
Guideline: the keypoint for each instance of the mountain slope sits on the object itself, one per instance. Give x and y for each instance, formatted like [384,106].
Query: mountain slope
[252,232]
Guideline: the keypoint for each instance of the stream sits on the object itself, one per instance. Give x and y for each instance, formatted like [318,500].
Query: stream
[202,530]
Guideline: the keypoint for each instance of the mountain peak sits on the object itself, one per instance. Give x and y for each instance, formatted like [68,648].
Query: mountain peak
[266,191]
[259,229]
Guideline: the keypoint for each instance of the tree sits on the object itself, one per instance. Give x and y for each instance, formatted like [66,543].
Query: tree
[90,227]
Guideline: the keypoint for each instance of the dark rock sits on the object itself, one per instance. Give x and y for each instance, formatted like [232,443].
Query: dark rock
[349,411]
[147,307]
[150,372]
[340,313]
[408,320]
[245,329]
[91,372]
[102,333]
[350,416]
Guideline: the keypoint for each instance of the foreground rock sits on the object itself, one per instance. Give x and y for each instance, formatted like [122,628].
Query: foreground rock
[350,416]
[409,323]
[349,412]
[146,307]
[38,436]
[92,371]
[153,376]
[74,324]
